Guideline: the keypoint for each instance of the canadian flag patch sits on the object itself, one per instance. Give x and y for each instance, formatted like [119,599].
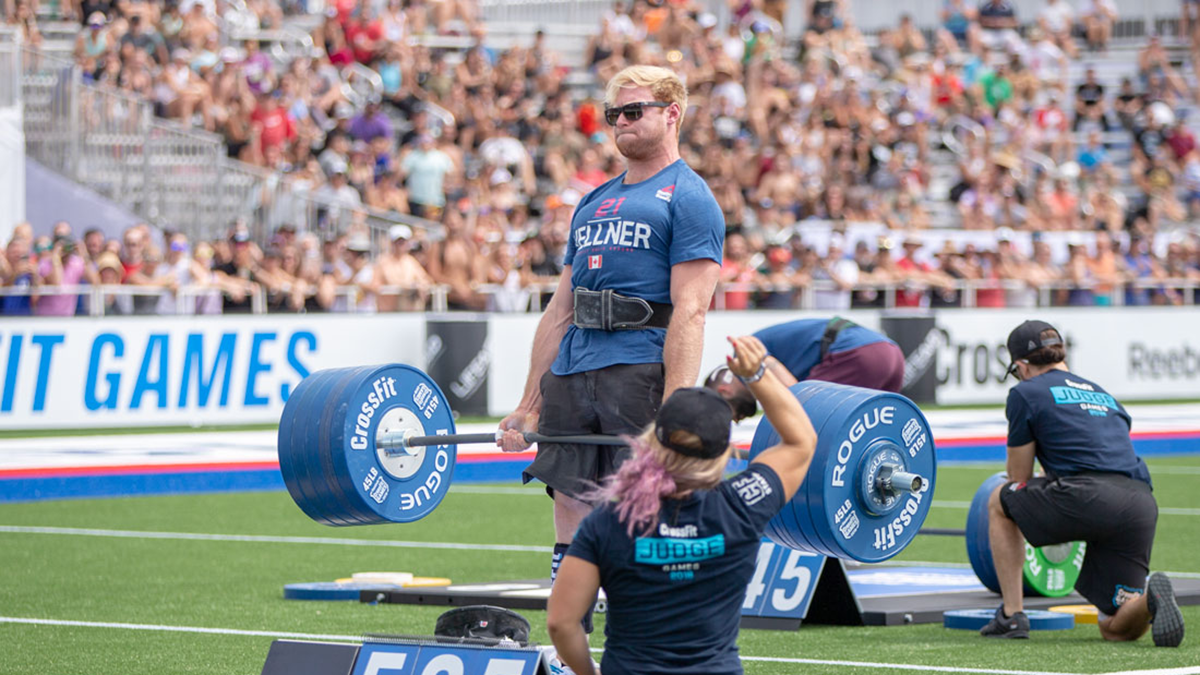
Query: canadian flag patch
[595,262]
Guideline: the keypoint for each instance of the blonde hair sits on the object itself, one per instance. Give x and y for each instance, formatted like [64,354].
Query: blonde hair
[663,84]
[654,473]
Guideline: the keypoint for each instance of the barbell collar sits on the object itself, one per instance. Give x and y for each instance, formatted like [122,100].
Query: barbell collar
[896,481]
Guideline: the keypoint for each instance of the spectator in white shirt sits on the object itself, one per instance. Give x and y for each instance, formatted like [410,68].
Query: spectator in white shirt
[837,268]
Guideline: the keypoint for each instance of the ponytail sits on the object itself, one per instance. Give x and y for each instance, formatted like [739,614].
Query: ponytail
[654,473]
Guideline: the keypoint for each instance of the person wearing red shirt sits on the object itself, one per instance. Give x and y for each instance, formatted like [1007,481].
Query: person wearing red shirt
[1180,138]
[919,274]
[363,35]
[947,87]
[276,127]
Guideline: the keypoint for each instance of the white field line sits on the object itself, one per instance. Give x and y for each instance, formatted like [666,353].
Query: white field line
[1188,670]
[902,666]
[353,638]
[1162,510]
[1190,470]
[267,539]
[1155,469]
[331,541]
[539,493]
[180,629]
[484,490]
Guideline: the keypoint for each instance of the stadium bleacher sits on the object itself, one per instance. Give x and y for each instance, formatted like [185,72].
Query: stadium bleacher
[223,128]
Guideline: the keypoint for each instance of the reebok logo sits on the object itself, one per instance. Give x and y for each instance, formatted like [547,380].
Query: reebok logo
[666,193]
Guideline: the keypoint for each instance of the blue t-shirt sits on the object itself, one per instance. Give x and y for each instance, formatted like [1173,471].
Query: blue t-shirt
[18,305]
[627,238]
[797,344]
[675,594]
[1078,427]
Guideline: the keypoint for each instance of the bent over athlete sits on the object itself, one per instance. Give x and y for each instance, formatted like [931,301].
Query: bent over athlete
[834,350]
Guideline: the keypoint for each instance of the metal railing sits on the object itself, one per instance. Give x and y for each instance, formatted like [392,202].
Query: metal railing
[960,293]
[541,12]
[162,171]
[818,294]
[120,300]
[10,68]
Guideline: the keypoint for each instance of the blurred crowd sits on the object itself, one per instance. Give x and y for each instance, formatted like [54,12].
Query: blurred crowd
[497,146]
[139,273]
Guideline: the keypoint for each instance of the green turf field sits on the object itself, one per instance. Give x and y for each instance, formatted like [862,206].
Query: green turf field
[119,569]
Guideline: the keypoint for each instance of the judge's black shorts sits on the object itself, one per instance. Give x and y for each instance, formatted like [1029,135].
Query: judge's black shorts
[1114,514]
[621,399]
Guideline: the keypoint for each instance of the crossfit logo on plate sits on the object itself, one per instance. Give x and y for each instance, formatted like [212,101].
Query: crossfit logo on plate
[425,400]
[870,419]
[914,438]
[379,491]
[381,390]
[752,488]
[846,519]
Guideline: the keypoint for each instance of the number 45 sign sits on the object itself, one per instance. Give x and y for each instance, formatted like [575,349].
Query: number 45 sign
[783,583]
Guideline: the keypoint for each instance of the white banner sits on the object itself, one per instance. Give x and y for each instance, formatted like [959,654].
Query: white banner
[151,371]
[1135,353]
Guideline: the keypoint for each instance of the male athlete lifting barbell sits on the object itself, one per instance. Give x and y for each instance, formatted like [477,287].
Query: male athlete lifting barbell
[1095,490]
[625,326]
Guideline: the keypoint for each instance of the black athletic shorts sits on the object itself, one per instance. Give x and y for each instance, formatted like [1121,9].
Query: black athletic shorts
[621,399]
[1116,516]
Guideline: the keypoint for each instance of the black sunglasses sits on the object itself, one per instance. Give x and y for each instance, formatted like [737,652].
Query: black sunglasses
[632,111]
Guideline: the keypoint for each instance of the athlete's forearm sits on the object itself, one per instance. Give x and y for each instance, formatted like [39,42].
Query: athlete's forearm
[781,372]
[550,331]
[692,287]
[683,349]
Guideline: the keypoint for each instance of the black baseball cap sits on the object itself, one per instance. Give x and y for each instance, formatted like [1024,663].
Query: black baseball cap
[698,411]
[1027,339]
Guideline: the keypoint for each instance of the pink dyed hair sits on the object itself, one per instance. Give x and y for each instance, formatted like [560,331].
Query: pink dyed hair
[654,473]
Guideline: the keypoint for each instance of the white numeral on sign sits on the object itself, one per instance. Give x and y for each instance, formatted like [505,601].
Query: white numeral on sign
[792,569]
[384,661]
[444,664]
[756,587]
[505,667]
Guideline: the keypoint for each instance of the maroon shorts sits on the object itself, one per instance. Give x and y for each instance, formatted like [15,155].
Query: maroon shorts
[879,365]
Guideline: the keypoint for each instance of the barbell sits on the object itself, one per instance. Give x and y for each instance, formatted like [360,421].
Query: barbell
[377,444]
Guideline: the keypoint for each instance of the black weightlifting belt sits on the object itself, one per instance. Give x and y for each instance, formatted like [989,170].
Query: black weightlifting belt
[606,310]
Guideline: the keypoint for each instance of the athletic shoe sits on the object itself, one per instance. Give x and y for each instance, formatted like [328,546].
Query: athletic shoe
[1015,627]
[1165,618]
